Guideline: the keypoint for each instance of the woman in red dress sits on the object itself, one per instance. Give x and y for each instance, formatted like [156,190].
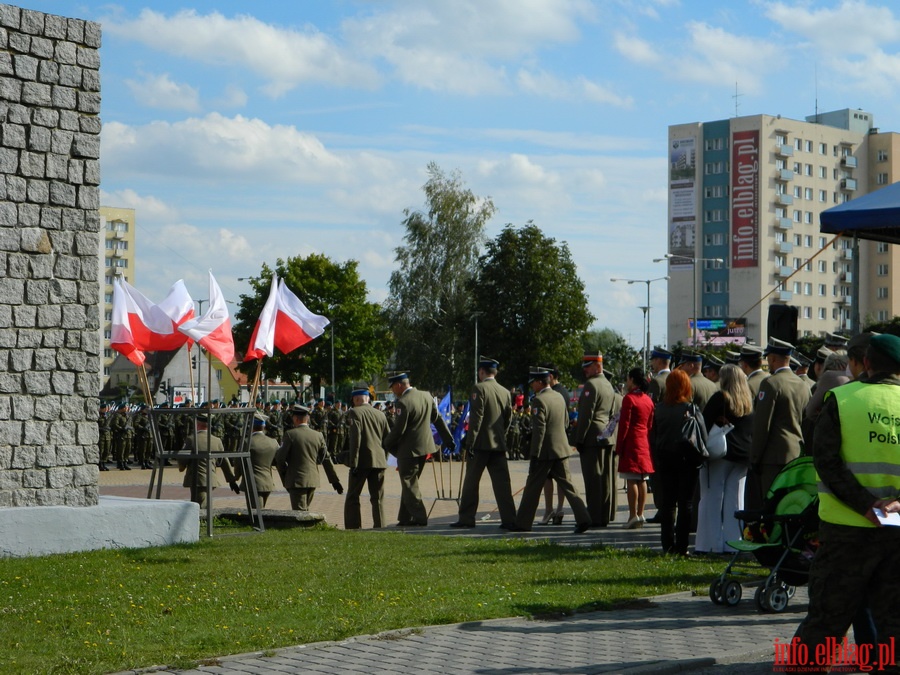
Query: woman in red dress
[633,444]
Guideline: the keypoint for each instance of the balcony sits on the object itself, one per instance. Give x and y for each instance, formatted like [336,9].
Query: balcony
[784,247]
[784,174]
[848,184]
[783,296]
[784,199]
[783,224]
[845,301]
[784,271]
[784,150]
[849,161]
[846,254]
[847,277]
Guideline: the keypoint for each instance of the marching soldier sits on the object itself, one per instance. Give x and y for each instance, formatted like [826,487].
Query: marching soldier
[123,433]
[195,475]
[751,363]
[143,439]
[105,443]
[263,449]
[298,460]
[367,429]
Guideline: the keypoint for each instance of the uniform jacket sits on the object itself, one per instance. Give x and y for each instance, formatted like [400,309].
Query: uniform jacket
[410,436]
[633,433]
[776,423]
[754,380]
[595,406]
[368,429]
[548,426]
[658,385]
[702,389]
[489,416]
[299,456]
[263,449]
[197,465]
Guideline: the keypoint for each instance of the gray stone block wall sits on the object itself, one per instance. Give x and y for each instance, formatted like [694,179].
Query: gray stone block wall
[50,351]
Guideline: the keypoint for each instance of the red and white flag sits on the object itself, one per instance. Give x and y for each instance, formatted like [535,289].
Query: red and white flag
[285,322]
[139,325]
[213,329]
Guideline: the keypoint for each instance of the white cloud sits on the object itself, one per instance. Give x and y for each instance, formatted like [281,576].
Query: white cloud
[851,27]
[148,207]
[636,50]
[547,85]
[235,245]
[160,91]
[285,58]
[232,97]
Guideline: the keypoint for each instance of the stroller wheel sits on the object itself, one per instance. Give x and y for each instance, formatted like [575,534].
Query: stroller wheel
[715,592]
[732,593]
[777,599]
[790,591]
[761,598]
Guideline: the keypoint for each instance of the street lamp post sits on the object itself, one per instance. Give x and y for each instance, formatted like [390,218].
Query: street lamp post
[477,357]
[694,261]
[648,345]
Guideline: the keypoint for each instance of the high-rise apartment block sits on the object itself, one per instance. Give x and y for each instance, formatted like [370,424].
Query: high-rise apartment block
[117,225]
[745,196]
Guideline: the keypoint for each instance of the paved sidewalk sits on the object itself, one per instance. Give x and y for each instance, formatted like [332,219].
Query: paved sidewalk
[668,634]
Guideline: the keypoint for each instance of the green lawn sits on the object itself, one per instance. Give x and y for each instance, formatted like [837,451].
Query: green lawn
[105,611]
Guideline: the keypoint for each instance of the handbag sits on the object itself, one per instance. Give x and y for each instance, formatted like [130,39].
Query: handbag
[716,441]
[693,435]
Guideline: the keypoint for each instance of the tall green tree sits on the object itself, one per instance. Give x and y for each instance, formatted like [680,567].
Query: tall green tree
[429,308]
[531,304]
[360,335]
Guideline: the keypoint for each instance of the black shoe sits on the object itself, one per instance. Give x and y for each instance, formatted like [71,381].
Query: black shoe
[125,466]
[103,467]
[654,520]
[516,528]
[462,524]
[507,526]
[581,527]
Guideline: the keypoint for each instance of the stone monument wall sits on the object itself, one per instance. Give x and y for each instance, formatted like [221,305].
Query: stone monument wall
[50,344]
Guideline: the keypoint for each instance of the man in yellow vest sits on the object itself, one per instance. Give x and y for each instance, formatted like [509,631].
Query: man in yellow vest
[857,456]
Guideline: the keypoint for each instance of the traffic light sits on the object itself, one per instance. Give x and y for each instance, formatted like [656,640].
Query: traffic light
[194,362]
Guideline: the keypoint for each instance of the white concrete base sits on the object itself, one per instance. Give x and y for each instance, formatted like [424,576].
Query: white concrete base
[117,522]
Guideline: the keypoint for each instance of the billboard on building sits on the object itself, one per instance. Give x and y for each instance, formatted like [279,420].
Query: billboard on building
[745,199]
[682,200]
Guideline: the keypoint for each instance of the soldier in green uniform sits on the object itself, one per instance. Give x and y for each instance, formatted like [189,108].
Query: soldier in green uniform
[489,417]
[216,422]
[262,458]
[143,441]
[165,422]
[105,442]
[122,433]
[333,424]
[298,460]
[274,428]
[525,432]
[183,426]
[751,363]
[513,435]
[660,362]
[317,417]
[195,475]
[701,388]
[367,429]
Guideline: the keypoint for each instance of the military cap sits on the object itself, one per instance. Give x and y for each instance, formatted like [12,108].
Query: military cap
[298,409]
[688,356]
[259,418]
[750,352]
[399,377]
[104,404]
[822,354]
[794,363]
[203,418]
[732,357]
[660,353]
[835,341]
[713,361]
[488,363]
[887,344]
[803,360]
[538,373]
[591,358]
[362,390]
[861,340]
[779,347]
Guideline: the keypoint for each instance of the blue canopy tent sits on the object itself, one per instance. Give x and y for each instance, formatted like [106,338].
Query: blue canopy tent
[874,216]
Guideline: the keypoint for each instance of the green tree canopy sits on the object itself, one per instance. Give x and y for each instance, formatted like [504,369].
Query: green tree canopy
[531,305]
[429,308]
[361,345]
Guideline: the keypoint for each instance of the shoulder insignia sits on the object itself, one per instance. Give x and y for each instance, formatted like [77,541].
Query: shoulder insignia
[474,395]
[761,395]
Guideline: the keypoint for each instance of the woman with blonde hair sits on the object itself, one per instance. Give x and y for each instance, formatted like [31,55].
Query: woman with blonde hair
[722,480]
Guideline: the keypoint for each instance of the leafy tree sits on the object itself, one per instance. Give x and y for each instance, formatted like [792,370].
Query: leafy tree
[532,305]
[429,308]
[361,346]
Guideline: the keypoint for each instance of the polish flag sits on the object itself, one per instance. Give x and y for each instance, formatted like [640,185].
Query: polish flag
[213,329]
[139,325]
[285,322]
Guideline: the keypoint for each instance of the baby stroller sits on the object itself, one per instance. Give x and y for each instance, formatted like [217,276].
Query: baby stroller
[783,537]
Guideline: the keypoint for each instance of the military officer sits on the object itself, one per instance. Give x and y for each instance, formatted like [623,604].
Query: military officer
[142,438]
[802,369]
[711,366]
[701,387]
[549,454]
[105,442]
[317,416]
[660,362]
[490,413]
[411,441]
[123,433]
[195,474]
[367,429]
[274,427]
[777,435]
[302,451]
[262,458]
[595,408]
[751,363]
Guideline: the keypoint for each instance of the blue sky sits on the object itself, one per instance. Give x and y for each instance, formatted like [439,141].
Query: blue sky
[242,132]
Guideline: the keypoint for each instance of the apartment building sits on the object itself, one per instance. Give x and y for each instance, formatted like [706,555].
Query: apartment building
[118,254]
[745,196]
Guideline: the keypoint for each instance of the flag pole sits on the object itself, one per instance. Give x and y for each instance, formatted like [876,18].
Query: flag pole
[145,383]
[256,382]
[190,366]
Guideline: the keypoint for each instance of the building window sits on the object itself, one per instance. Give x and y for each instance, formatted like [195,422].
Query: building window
[882,155]
[807,312]
[882,179]
[715,239]
[798,287]
[883,247]
[808,217]
[882,270]
[809,146]
[107,334]
[107,298]
[823,172]
[882,292]
[781,139]
[823,290]
[823,196]
[823,266]
[798,239]
[715,191]
[808,168]
[798,144]
[808,193]
[798,192]
[715,144]
[823,313]
[823,148]
[714,167]
[798,216]
[807,240]
[807,289]
[883,315]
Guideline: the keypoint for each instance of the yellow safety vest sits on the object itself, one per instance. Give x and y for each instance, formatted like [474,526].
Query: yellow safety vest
[870,446]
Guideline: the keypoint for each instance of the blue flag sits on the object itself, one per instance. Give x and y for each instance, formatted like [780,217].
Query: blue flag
[462,427]
[445,410]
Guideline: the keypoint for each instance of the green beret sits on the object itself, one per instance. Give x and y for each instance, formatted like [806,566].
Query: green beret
[887,344]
